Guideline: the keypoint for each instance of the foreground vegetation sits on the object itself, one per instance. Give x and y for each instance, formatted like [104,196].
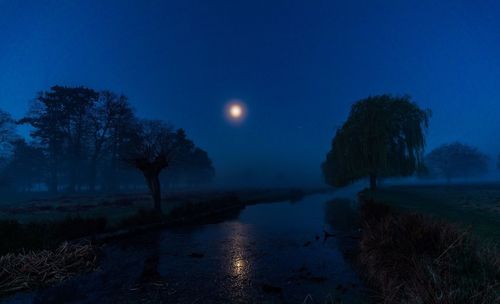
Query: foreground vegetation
[413,258]
[38,269]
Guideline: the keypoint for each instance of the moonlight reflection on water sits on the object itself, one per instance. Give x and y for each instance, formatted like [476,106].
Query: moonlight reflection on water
[239,254]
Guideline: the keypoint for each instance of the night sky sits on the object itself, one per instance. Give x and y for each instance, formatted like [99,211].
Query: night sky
[297,65]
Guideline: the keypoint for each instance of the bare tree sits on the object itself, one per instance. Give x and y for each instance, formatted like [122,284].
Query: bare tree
[156,151]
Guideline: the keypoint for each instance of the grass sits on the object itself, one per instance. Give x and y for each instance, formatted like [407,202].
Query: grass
[476,206]
[116,208]
[413,258]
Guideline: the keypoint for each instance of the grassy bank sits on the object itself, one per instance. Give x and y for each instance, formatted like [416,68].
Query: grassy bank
[45,224]
[474,205]
[114,208]
[415,258]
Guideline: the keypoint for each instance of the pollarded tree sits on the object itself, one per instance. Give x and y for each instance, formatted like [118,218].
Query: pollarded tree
[456,160]
[160,147]
[383,136]
[154,152]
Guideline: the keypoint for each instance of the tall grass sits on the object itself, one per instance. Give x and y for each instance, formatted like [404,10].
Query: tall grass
[412,258]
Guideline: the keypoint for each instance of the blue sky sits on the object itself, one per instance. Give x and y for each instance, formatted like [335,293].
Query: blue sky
[298,66]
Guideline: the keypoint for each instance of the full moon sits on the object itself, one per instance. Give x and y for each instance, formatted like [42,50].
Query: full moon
[235,111]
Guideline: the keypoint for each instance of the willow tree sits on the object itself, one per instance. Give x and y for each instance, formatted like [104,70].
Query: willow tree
[383,136]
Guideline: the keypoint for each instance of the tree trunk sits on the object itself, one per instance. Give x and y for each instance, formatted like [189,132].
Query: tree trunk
[373,182]
[153,181]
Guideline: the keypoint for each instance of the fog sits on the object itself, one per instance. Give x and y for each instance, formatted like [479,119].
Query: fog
[298,67]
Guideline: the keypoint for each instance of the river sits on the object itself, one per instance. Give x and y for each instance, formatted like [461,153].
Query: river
[266,253]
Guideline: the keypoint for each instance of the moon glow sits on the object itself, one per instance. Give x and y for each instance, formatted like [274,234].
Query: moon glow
[235,111]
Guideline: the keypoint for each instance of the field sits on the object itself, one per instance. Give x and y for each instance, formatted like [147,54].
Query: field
[469,205]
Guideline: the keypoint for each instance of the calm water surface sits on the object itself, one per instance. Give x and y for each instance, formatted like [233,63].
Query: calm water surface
[267,253]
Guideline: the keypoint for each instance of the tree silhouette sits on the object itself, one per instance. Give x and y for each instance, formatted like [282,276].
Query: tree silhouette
[155,152]
[456,160]
[124,137]
[60,120]
[111,124]
[84,136]
[383,136]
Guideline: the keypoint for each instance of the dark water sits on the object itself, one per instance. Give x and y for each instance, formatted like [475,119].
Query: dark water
[268,253]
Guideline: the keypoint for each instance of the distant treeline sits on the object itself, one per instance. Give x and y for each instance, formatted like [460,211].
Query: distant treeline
[82,140]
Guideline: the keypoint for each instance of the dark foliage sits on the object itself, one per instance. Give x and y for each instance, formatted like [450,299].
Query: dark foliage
[456,160]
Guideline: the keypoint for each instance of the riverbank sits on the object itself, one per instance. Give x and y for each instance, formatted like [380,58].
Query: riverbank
[474,205]
[414,258]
